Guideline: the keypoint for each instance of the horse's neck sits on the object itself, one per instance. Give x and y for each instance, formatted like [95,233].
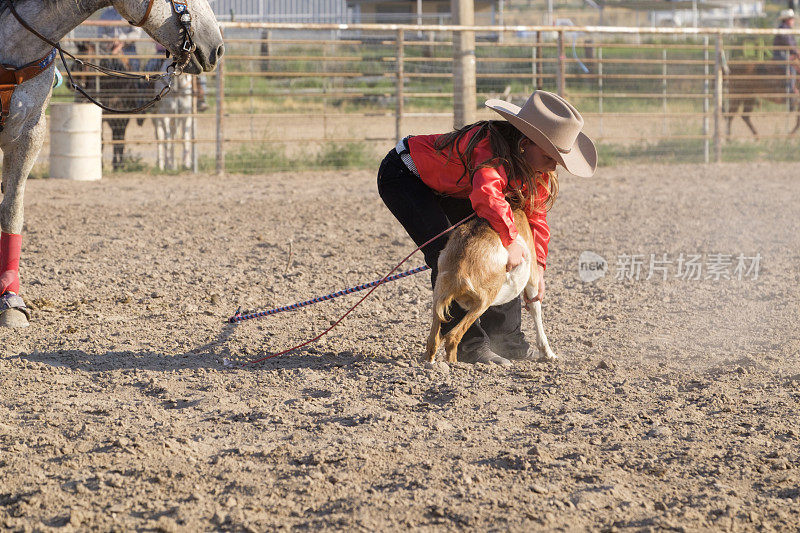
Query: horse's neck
[52,18]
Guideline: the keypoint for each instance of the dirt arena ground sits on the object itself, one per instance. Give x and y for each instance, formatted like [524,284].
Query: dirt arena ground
[674,405]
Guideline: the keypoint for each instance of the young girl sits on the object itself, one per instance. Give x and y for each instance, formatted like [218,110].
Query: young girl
[430,182]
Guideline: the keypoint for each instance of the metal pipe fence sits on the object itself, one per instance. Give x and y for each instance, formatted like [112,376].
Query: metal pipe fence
[291,96]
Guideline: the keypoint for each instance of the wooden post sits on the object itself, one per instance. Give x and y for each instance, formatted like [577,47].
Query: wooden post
[419,17]
[600,86]
[398,118]
[706,87]
[220,122]
[501,19]
[464,99]
[664,90]
[195,85]
[539,79]
[266,39]
[561,82]
[718,100]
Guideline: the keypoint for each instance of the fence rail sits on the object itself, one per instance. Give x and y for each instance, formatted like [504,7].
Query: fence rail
[293,95]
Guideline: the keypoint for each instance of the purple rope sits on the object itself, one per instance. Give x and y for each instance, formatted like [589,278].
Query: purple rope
[238,317]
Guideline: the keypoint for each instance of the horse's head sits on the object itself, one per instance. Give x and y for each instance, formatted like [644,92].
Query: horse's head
[162,20]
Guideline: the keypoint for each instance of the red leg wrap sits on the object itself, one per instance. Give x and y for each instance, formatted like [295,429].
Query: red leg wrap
[10,247]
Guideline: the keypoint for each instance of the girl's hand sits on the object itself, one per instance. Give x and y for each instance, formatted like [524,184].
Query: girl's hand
[515,255]
[540,294]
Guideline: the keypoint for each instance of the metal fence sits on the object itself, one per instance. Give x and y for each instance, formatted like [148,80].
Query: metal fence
[297,96]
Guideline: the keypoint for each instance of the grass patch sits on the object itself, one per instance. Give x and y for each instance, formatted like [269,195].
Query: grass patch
[677,151]
[258,159]
[130,163]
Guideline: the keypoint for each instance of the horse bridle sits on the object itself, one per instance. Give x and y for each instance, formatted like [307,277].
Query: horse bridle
[179,7]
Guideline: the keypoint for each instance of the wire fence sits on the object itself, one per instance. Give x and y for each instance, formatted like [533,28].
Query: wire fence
[301,96]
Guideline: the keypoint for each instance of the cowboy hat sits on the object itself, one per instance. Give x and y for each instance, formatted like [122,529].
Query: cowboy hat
[786,14]
[554,125]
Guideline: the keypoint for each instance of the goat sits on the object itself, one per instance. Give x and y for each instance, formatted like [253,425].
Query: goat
[472,272]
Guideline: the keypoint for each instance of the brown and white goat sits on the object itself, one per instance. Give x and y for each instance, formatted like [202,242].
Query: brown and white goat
[472,272]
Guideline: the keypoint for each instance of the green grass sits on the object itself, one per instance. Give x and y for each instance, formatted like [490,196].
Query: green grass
[259,159]
[677,151]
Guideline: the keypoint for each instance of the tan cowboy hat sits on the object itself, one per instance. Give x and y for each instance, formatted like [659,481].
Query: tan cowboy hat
[554,125]
[786,14]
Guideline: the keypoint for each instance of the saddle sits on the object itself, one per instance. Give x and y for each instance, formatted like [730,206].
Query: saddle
[11,78]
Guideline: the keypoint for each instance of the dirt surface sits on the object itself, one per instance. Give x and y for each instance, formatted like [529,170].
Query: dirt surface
[674,404]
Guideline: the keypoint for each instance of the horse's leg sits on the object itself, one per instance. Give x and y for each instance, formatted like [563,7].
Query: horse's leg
[171,163]
[187,121]
[733,108]
[118,134]
[158,123]
[18,159]
[795,106]
[746,108]
[186,134]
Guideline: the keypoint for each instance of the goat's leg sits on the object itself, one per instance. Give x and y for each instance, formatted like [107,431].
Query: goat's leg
[535,309]
[545,353]
[454,336]
[434,338]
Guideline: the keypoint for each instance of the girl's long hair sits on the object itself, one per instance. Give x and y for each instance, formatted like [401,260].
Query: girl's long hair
[505,141]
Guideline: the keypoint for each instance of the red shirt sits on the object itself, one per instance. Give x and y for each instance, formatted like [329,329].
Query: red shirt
[486,192]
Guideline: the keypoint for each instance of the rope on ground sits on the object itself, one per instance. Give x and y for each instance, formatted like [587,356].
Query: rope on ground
[382,281]
[249,315]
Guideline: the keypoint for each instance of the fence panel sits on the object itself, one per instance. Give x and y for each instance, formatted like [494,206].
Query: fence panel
[298,96]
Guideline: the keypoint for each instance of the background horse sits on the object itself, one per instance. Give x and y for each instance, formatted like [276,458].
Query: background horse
[119,93]
[25,97]
[178,103]
[748,82]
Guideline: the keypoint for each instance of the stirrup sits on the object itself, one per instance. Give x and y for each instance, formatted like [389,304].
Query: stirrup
[10,300]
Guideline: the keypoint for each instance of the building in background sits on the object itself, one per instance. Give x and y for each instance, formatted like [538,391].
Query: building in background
[421,11]
[310,11]
[683,13]
[352,11]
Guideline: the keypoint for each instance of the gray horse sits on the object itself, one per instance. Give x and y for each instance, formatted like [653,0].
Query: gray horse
[23,117]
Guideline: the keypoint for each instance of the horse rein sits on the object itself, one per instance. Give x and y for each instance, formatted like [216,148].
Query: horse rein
[179,8]
[145,17]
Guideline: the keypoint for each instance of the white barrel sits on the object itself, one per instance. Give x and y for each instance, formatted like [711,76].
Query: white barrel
[76,149]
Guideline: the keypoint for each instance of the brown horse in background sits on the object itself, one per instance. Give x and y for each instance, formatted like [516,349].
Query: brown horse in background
[748,82]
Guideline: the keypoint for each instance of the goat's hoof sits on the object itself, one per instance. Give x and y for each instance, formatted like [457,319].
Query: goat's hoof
[439,366]
[13,318]
[547,355]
